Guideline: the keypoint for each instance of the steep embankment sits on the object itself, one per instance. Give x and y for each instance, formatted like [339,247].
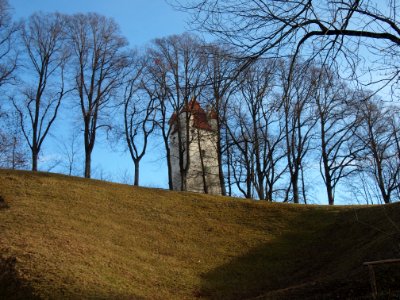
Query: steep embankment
[63,237]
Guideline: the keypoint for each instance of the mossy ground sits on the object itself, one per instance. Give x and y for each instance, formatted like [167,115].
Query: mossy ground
[65,237]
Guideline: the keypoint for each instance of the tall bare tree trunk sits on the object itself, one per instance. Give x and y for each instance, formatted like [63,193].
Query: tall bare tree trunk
[136,180]
[203,169]
[88,163]
[35,156]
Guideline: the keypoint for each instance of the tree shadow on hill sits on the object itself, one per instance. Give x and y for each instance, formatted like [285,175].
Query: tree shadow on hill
[315,262]
[3,203]
[12,286]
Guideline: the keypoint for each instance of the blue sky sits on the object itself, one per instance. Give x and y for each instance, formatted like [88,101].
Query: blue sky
[140,22]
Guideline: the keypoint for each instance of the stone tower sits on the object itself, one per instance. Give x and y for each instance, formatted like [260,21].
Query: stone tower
[195,170]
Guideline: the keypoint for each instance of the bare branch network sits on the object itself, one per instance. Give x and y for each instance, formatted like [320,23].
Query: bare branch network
[277,105]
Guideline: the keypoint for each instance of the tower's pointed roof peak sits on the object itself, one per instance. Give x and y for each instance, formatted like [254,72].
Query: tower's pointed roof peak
[200,118]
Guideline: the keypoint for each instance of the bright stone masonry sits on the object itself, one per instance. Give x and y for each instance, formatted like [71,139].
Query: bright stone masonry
[202,141]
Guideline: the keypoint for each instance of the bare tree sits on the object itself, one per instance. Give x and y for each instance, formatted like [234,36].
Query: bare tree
[8,49]
[12,155]
[99,62]
[378,133]
[256,134]
[360,38]
[155,84]
[220,80]
[70,153]
[13,152]
[181,61]
[336,120]
[139,113]
[240,153]
[350,32]
[298,123]
[43,40]
[395,129]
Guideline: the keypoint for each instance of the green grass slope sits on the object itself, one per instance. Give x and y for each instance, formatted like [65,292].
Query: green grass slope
[71,238]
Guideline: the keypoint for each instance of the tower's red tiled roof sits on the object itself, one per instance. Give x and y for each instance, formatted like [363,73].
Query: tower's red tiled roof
[172,120]
[200,119]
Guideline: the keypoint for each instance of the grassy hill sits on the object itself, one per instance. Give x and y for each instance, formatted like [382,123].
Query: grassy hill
[63,237]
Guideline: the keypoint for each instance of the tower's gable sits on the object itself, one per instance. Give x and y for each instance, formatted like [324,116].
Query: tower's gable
[200,119]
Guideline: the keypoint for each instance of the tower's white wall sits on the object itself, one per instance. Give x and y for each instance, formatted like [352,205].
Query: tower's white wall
[208,146]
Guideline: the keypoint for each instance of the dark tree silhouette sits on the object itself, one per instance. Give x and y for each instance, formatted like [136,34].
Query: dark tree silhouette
[99,62]
[46,56]
[178,64]
[138,114]
[362,36]
[8,45]
[378,134]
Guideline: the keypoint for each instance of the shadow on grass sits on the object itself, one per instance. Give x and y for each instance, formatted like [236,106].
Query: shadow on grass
[11,285]
[3,203]
[309,262]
